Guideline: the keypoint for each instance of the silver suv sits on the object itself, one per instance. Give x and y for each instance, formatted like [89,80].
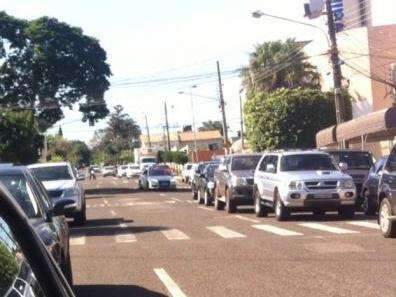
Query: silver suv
[302,181]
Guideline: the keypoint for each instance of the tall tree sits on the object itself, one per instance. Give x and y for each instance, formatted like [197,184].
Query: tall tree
[211,125]
[278,64]
[46,65]
[60,132]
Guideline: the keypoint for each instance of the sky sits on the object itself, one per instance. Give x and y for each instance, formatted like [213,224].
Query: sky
[157,39]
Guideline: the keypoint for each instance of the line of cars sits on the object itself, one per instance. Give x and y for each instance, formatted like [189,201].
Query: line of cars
[129,170]
[298,181]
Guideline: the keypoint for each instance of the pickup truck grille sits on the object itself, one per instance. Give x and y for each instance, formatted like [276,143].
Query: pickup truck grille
[321,185]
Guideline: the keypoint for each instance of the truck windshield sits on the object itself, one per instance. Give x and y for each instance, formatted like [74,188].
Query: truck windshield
[307,162]
[52,173]
[355,160]
[245,162]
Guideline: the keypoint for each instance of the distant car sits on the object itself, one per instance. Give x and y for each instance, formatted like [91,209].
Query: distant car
[295,181]
[155,177]
[206,184]
[369,191]
[62,185]
[197,172]
[234,181]
[387,197]
[186,172]
[122,170]
[46,216]
[109,171]
[133,170]
[96,168]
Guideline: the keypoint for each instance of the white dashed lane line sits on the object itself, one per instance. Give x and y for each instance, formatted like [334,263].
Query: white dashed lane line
[113,213]
[125,238]
[365,224]
[247,219]
[276,230]
[80,240]
[175,234]
[225,232]
[169,283]
[175,199]
[162,195]
[326,228]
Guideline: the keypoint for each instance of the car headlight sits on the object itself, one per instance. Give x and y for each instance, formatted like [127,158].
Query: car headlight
[211,185]
[238,181]
[173,181]
[296,185]
[346,184]
[70,192]
[154,181]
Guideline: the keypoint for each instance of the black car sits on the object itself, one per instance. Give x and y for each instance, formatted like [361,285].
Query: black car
[47,219]
[26,267]
[206,185]
[197,175]
[370,187]
[387,197]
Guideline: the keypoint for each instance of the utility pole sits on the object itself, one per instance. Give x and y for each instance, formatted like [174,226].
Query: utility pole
[241,114]
[335,61]
[167,127]
[148,131]
[222,107]
[195,155]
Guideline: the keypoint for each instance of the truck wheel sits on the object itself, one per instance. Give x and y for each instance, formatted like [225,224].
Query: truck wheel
[259,209]
[282,213]
[368,206]
[347,212]
[230,204]
[388,227]
[207,199]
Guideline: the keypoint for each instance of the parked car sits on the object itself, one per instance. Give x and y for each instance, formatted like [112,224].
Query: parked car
[109,171]
[96,168]
[302,181]
[192,172]
[206,184]
[234,181]
[26,268]
[387,197]
[133,170]
[198,170]
[369,191]
[157,177]
[355,163]
[122,170]
[186,172]
[46,217]
[62,185]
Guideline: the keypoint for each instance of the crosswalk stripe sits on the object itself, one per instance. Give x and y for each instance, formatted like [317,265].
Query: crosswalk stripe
[169,283]
[125,238]
[276,230]
[366,224]
[80,240]
[175,234]
[225,232]
[327,228]
[247,219]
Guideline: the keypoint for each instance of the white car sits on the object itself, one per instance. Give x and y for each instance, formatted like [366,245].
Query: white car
[186,172]
[122,170]
[61,183]
[109,171]
[293,181]
[133,170]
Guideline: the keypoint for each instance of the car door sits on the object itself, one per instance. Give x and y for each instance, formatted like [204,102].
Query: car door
[389,178]
[272,177]
[375,177]
[260,176]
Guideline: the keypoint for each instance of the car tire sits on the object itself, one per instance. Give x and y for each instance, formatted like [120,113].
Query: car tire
[387,227]
[231,206]
[368,205]
[259,209]
[207,199]
[81,217]
[347,212]
[282,213]
[199,197]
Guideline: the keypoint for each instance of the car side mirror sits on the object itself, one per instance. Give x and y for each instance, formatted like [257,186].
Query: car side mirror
[63,206]
[343,166]
[270,168]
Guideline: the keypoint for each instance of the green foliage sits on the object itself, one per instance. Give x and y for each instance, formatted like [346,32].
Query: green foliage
[172,157]
[211,125]
[20,140]
[61,149]
[288,118]
[278,64]
[8,269]
[47,64]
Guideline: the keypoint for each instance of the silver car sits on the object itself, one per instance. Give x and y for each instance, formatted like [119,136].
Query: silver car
[157,177]
[302,181]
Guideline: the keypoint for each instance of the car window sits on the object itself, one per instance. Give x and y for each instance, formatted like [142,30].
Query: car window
[245,162]
[41,192]
[307,162]
[52,173]
[355,160]
[21,190]
[16,277]
[272,160]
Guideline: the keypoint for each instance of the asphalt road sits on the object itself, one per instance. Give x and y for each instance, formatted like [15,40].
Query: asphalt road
[162,244]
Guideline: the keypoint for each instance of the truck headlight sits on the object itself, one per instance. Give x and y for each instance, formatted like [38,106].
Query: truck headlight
[296,185]
[211,185]
[238,181]
[346,184]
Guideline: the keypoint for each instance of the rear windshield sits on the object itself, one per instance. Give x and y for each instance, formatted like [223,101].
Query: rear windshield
[307,162]
[52,173]
[355,160]
[245,162]
[148,160]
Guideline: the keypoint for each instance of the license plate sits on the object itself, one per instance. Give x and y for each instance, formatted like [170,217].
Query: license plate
[322,196]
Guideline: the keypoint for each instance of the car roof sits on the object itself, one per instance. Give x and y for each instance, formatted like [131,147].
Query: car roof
[13,169]
[38,165]
[297,152]
[244,155]
[345,150]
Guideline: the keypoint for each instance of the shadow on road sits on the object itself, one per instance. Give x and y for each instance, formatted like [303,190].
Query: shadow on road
[109,191]
[114,291]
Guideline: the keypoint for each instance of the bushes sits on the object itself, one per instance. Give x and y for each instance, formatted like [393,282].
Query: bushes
[172,157]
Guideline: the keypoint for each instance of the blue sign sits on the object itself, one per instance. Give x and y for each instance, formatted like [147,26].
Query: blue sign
[337,7]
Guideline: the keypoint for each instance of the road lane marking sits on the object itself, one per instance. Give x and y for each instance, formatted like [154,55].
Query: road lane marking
[175,234]
[122,225]
[225,232]
[365,224]
[88,206]
[247,219]
[206,208]
[162,194]
[125,238]
[112,212]
[175,199]
[105,201]
[189,201]
[169,283]
[79,240]
[326,228]
[276,230]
